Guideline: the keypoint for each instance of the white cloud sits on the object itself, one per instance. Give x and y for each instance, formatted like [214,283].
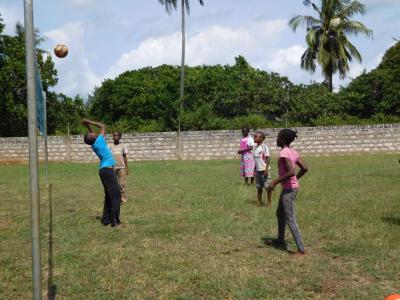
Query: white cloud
[285,59]
[150,52]
[271,28]
[11,15]
[74,73]
[215,45]
[258,42]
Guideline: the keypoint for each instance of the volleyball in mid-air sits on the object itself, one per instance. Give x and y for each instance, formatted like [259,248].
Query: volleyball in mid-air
[61,51]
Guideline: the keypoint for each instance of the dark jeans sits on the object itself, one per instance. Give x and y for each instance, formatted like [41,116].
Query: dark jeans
[286,215]
[112,197]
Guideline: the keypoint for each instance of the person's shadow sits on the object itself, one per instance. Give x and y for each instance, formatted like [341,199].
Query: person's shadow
[272,242]
[391,220]
[51,287]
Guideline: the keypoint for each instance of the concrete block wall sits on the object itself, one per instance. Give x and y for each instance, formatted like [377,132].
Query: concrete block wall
[217,144]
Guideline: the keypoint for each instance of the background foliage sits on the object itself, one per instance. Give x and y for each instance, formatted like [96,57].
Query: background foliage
[216,97]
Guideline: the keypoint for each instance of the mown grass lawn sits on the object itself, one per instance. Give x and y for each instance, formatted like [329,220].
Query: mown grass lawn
[193,231]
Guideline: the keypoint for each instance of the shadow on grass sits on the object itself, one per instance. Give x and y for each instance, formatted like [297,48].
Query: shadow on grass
[273,243]
[51,287]
[391,220]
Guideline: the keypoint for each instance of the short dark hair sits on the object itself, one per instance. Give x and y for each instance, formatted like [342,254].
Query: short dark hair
[288,135]
[88,139]
[118,132]
[260,133]
[247,128]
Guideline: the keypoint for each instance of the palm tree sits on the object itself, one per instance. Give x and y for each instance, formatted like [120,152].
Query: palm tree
[327,36]
[185,7]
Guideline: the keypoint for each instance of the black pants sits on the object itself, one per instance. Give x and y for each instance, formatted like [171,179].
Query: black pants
[112,197]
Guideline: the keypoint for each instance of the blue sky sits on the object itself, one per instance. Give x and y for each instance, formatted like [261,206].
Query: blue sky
[106,38]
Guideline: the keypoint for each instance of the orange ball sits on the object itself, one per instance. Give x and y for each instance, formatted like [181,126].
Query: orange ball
[61,51]
[393,297]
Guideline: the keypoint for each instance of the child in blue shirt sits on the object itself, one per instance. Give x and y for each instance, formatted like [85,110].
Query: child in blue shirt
[112,193]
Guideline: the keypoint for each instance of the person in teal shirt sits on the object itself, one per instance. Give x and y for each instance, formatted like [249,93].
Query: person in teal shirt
[108,177]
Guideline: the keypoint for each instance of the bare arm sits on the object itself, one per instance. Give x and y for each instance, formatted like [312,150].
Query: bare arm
[303,168]
[267,161]
[249,148]
[126,163]
[84,122]
[94,123]
[289,173]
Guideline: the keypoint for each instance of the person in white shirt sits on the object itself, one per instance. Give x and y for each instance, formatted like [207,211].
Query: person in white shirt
[262,166]
[120,152]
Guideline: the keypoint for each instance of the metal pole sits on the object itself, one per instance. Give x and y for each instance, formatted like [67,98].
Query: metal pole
[33,148]
[46,149]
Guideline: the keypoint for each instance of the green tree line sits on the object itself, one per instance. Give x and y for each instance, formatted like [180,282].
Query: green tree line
[228,97]
[216,97]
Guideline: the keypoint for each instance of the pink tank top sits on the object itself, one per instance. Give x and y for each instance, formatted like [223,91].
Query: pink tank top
[243,143]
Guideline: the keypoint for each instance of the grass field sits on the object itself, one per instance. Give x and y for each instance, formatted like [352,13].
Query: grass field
[194,232]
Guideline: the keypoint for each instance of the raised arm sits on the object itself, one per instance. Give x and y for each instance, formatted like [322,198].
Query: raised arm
[88,124]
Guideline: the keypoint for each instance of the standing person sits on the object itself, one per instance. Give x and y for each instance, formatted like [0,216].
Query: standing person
[120,152]
[247,161]
[112,193]
[263,167]
[288,159]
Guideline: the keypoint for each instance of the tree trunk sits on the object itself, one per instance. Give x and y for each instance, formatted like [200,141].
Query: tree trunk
[328,76]
[330,81]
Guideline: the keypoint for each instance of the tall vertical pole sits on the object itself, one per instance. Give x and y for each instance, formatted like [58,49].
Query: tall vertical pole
[182,82]
[46,148]
[33,148]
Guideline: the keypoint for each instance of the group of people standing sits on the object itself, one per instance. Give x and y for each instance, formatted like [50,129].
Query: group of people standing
[255,163]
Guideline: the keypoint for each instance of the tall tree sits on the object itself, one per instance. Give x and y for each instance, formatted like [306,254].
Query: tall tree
[13,105]
[185,8]
[326,38]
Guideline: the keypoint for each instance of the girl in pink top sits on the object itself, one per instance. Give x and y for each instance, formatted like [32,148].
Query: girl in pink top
[288,159]
[247,163]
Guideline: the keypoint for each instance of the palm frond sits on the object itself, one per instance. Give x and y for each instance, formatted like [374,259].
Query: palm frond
[187,5]
[308,61]
[303,21]
[169,5]
[307,3]
[355,28]
[312,38]
[353,51]
[353,8]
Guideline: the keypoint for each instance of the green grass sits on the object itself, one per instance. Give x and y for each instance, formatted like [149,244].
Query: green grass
[194,232]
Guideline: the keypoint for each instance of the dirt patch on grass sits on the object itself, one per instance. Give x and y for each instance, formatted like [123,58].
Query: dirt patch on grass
[331,287]
[5,223]
[13,162]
